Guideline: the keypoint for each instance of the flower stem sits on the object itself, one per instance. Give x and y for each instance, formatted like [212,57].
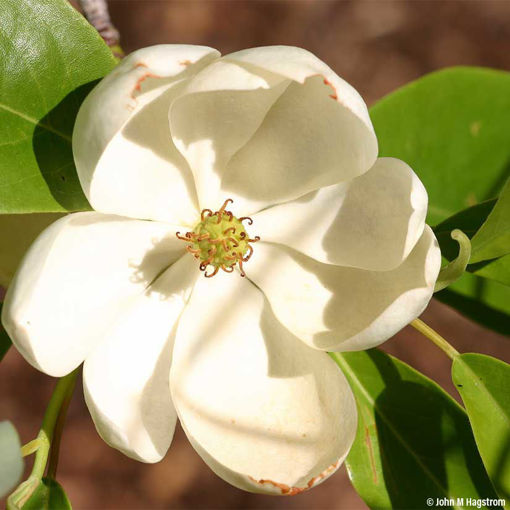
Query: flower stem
[48,438]
[59,427]
[57,406]
[30,447]
[436,338]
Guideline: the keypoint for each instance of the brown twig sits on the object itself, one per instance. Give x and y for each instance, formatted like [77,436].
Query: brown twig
[96,12]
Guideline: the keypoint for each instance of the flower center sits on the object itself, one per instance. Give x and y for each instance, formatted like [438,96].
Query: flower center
[220,240]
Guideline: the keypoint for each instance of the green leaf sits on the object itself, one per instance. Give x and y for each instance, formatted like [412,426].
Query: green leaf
[413,442]
[497,269]
[453,128]
[482,382]
[50,59]
[484,295]
[470,221]
[11,463]
[49,495]
[452,271]
[17,232]
[5,341]
[483,300]
[493,238]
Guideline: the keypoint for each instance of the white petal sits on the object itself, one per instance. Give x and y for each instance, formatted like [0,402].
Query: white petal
[79,274]
[371,222]
[345,309]
[266,412]
[125,379]
[273,132]
[218,112]
[125,158]
[298,64]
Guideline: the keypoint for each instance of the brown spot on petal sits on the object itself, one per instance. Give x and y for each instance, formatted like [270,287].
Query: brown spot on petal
[185,62]
[138,84]
[287,490]
[329,84]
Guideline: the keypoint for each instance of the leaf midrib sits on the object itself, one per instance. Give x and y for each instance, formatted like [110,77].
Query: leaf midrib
[36,122]
[367,396]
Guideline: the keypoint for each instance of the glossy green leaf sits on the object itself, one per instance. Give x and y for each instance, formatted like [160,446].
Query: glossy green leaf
[49,495]
[50,58]
[11,461]
[484,295]
[5,341]
[453,128]
[414,441]
[483,300]
[453,270]
[483,383]
[470,221]
[497,269]
[493,238]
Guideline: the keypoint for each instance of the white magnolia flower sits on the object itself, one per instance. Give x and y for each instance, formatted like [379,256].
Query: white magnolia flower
[344,261]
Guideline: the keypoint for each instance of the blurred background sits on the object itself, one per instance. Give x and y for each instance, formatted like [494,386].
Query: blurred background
[377,46]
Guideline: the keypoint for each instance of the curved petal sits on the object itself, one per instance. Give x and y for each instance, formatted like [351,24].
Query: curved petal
[124,155]
[279,123]
[218,112]
[267,413]
[78,275]
[372,222]
[345,309]
[125,379]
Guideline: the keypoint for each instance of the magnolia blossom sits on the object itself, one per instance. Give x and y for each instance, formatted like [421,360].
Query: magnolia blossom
[259,171]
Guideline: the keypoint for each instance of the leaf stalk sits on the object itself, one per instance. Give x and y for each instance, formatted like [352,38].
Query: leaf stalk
[435,338]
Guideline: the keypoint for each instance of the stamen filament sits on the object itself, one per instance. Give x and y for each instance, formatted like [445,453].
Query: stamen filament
[216,269]
[220,241]
[203,214]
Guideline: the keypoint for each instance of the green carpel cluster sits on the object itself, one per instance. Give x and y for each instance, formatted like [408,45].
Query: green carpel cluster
[220,241]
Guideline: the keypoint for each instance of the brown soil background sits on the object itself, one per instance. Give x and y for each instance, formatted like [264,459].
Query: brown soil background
[375,45]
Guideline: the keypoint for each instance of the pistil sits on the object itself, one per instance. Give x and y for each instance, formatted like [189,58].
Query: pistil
[220,241]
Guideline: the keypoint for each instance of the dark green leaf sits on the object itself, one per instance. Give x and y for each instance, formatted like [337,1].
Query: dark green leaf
[470,221]
[482,382]
[5,341]
[49,495]
[50,58]
[483,300]
[493,238]
[413,442]
[477,297]
[11,461]
[453,128]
